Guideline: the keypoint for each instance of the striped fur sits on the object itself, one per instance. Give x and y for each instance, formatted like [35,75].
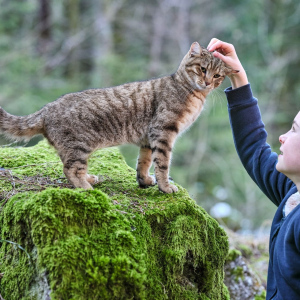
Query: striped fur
[150,114]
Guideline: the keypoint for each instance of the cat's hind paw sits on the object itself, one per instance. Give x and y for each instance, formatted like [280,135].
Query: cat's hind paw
[92,179]
[171,188]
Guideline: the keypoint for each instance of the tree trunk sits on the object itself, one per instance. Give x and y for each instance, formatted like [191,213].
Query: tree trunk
[44,26]
[73,23]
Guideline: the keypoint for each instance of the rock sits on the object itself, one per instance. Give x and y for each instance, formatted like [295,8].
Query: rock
[241,281]
[114,242]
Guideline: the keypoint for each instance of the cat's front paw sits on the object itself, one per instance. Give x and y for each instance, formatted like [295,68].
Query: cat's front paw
[145,182]
[170,188]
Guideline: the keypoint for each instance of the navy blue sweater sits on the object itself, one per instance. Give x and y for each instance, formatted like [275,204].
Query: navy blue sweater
[258,159]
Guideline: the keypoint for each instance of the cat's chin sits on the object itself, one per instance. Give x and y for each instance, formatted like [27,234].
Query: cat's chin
[204,89]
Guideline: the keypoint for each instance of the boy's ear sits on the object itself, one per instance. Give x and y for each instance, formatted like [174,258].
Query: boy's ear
[195,49]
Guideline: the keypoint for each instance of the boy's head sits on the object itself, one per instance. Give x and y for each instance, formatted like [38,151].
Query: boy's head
[289,158]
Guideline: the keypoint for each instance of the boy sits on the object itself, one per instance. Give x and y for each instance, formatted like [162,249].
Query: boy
[277,176]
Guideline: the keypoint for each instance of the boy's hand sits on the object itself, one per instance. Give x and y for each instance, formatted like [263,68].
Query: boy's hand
[226,52]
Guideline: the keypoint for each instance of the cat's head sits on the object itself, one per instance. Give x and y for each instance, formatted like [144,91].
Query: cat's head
[204,71]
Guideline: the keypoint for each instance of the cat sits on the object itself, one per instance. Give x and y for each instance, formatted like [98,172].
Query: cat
[150,114]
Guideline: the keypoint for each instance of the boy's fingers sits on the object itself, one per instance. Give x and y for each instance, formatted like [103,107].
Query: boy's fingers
[229,61]
[215,44]
[220,55]
[222,47]
[212,41]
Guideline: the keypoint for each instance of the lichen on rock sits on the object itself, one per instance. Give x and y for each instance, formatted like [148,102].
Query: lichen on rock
[114,242]
[242,282]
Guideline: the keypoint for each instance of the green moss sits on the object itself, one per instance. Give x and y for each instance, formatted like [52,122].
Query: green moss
[246,250]
[262,296]
[238,273]
[233,254]
[114,242]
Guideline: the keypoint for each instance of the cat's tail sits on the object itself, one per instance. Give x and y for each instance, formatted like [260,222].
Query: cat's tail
[21,128]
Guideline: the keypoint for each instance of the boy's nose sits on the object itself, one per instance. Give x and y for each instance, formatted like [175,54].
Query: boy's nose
[282,139]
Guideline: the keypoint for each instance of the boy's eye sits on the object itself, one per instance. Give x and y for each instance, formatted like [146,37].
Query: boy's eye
[203,70]
[216,76]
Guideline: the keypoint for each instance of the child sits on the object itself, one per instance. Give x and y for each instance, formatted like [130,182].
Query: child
[277,176]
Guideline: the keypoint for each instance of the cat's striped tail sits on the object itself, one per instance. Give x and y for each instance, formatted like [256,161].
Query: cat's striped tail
[21,128]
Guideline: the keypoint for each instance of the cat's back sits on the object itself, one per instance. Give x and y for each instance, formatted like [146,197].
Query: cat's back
[138,98]
[129,92]
[131,105]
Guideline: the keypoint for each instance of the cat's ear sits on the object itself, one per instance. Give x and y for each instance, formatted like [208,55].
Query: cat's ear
[195,49]
[229,71]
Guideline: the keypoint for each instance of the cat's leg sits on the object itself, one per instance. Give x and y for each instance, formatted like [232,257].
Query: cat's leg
[143,165]
[74,155]
[75,168]
[161,154]
[76,172]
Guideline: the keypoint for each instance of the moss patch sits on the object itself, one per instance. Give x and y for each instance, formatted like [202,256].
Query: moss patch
[262,296]
[114,242]
[233,254]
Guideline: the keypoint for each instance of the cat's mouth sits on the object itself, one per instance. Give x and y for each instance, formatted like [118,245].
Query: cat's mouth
[204,86]
[208,87]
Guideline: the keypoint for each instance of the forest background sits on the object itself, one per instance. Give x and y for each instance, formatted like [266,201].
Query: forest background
[53,47]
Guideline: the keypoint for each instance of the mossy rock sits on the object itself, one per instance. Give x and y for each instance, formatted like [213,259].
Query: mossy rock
[241,281]
[114,242]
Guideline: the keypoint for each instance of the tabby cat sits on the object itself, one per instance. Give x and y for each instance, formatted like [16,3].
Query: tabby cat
[150,114]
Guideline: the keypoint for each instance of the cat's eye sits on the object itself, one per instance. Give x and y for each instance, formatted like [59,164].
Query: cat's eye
[203,70]
[216,76]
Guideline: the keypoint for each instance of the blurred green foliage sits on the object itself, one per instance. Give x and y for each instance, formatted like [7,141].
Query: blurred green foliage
[51,48]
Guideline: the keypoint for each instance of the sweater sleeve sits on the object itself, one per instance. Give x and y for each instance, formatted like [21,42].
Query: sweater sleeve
[250,139]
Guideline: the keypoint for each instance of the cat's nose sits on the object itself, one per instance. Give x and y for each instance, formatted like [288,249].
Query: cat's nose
[207,83]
